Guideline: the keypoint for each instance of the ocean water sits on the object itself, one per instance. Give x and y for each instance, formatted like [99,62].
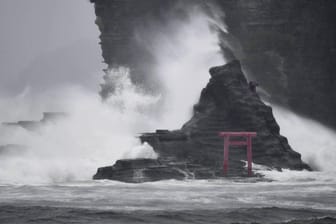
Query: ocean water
[50,182]
[279,197]
[37,191]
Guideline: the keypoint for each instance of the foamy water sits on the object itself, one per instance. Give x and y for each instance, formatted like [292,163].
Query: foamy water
[298,191]
[97,133]
[314,141]
[50,181]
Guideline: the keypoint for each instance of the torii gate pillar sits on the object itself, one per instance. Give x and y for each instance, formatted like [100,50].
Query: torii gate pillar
[248,142]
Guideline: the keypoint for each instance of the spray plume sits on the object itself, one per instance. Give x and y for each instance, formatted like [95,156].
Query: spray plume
[97,133]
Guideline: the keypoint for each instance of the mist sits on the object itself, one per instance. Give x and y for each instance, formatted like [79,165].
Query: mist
[61,73]
[96,133]
[47,44]
[314,141]
[184,50]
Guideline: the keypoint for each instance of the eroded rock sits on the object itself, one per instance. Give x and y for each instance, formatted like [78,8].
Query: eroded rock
[196,150]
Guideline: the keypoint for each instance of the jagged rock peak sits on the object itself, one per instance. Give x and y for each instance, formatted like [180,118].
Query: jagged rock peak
[232,67]
[196,150]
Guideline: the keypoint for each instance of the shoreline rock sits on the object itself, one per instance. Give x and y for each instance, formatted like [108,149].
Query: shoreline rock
[196,150]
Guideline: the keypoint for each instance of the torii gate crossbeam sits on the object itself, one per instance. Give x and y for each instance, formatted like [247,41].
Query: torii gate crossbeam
[227,143]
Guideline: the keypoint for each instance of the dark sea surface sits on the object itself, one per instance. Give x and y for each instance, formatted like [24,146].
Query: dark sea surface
[309,197]
[38,214]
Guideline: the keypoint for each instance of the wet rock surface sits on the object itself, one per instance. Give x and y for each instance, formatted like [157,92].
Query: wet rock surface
[196,150]
[288,46]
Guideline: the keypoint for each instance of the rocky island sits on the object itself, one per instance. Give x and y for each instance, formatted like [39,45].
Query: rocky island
[196,150]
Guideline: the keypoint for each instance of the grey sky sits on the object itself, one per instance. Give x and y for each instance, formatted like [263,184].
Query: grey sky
[47,43]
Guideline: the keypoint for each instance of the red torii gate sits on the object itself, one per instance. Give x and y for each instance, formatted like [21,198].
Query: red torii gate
[248,142]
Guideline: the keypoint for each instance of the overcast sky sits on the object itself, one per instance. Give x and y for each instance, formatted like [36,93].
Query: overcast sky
[48,43]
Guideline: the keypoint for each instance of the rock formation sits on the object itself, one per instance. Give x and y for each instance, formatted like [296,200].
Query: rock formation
[196,150]
[117,21]
[288,46]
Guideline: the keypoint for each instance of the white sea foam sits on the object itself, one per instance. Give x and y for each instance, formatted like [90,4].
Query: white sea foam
[314,141]
[184,50]
[93,134]
[96,134]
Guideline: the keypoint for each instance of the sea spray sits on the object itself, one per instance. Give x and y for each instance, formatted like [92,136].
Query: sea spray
[97,133]
[315,142]
[93,134]
[184,49]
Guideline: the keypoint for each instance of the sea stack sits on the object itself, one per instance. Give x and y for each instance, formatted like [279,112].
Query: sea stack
[196,150]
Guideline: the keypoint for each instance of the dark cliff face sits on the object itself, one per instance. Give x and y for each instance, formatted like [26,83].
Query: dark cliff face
[118,22]
[196,150]
[289,46]
[228,104]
